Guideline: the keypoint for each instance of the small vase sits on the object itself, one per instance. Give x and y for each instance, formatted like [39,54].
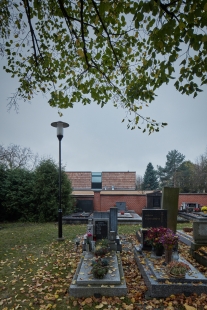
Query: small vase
[153,252]
[168,255]
[93,246]
[87,247]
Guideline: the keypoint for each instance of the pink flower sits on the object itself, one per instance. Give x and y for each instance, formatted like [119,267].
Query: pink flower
[169,239]
[154,235]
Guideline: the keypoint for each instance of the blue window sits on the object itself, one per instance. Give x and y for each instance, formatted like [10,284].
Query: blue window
[96,180]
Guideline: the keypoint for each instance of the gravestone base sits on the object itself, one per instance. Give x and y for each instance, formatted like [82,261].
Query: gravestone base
[200,257]
[195,246]
[113,284]
[161,285]
[113,245]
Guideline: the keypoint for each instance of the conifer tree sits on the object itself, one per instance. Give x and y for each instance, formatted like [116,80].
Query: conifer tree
[150,181]
[167,175]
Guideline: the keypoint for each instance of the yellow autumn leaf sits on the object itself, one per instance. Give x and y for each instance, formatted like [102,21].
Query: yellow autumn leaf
[187,307]
[99,306]
[129,307]
[80,52]
[88,300]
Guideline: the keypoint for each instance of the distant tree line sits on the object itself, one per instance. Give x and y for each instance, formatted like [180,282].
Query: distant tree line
[177,172]
[29,188]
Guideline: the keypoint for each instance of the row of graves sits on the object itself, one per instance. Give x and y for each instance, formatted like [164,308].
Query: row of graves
[84,211]
[100,269]
[162,271]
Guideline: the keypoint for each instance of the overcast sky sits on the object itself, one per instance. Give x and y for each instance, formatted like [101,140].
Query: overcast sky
[97,140]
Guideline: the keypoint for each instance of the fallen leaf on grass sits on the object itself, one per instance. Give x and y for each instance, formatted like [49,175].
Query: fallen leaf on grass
[99,306]
[88,300]
[187,307]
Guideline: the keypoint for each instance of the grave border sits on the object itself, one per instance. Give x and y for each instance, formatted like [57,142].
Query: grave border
[99,289]
[165,289]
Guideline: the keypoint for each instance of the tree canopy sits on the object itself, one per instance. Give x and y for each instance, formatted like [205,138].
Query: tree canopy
[167,175]
[111,50]
[34,195]
[15,156]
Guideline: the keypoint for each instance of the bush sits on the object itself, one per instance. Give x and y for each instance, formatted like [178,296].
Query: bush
[33,195]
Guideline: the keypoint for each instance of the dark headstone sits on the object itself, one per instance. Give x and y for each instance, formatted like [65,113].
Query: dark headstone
[101,229]
[121,206]
[154,218]
[154,200]
[113,221]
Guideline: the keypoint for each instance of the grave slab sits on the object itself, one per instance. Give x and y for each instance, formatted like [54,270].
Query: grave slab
[85,277]
[125,215]
[113,284]
[161,285]
[185,238]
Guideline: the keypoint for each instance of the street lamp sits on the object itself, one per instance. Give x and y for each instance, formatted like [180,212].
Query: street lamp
[59,125]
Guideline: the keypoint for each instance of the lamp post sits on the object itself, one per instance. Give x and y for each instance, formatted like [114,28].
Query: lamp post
[60,125]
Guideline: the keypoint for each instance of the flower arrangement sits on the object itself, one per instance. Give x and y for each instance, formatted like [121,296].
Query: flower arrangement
[204,208]
[154,234]
[169,239]
[101,248]
[177,269]
[197,210]
[88,237]
[99,268]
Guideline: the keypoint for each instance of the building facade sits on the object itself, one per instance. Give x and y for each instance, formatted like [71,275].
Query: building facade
[102,180]
[104,189]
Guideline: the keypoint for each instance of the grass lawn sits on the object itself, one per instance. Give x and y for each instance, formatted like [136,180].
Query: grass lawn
[36,271]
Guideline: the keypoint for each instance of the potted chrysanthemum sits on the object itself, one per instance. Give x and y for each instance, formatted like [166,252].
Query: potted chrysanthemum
[99,268]
[169,241]
[153,238]
[204,209]
[177,269]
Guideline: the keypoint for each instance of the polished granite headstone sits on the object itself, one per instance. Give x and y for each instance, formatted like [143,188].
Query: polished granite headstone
[101,225]
[113,221]
[154,218]
[154,200]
